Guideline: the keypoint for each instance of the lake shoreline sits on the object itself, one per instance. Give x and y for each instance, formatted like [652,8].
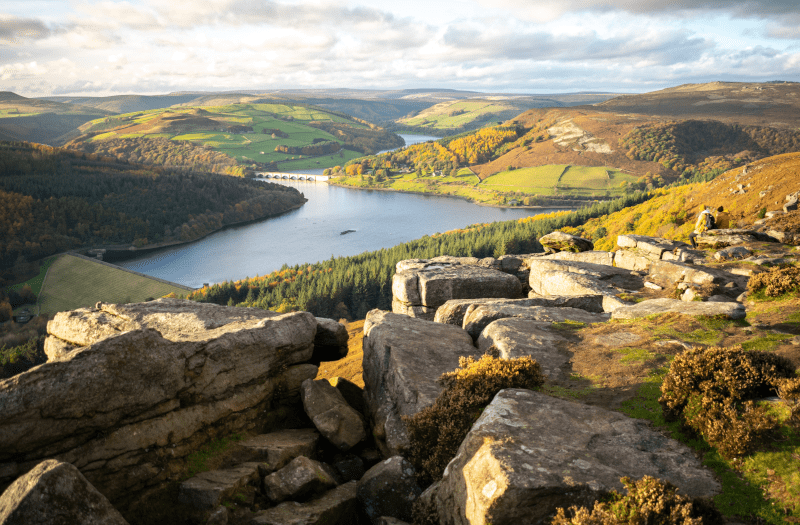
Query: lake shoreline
[467,199]
[116,253]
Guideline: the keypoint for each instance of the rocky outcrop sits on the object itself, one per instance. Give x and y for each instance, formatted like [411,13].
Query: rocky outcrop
[277,449]
[695,308]
[529,453]
[146,384]
[564,242]
[594,257]
[389,489]
[330,413]
[56,492]
[335,507]
[403,358]
[479,317]
[298,479]
[422,286]
[454,311]
[205,492]
[330,343]
[515,337]
[553,277]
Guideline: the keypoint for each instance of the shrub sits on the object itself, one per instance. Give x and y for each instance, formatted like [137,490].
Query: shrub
[711,391]
[436,432]
[649,502]
[776,282]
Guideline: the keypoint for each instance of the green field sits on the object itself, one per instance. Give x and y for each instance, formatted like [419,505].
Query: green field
[457,114]
[73,282]
[255,146]
[560,178]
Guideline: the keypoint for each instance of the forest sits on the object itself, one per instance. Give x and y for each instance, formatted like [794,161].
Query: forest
[696,146]
[52,200]
[348,287]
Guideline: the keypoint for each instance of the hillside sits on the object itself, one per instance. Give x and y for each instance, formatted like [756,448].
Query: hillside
[625,150]
[42,121]
[672,214]
[255,134]
[54,200]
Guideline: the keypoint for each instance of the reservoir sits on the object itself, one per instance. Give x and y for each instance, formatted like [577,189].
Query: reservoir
[314,232]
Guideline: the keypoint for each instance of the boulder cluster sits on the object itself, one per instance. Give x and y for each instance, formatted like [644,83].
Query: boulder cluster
[131,392]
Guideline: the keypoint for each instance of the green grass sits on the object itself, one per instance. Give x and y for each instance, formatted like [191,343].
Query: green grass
[198,461]
[637,355]
[73,282]
[539,180]
[441,118]
[741,495]
[765,343]
[36,282]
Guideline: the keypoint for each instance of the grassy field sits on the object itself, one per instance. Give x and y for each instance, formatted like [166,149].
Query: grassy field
[564,179]
[455,114]
[203,127]
[73,282]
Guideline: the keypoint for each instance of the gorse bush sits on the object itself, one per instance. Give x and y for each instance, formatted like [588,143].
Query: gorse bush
[711,391]
[776,282]
[436,432]
[649,502]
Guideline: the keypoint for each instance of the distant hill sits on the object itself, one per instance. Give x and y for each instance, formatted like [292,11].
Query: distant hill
[42,121]
[671,136]
[242,133]
[126,103]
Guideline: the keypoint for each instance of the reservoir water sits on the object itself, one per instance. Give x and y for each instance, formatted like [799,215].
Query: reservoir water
[312,233]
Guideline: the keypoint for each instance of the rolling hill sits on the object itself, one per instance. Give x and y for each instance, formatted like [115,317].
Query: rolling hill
[255,133]
[673,135]
[42,121]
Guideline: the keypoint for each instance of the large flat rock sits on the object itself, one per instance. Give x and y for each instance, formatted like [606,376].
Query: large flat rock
[453,311]
[515,337]
[205,491]
[479,317]
[529,453]
[594,257]
[154,382]
[435,283]
[335,507]
[695,308]
[403,358]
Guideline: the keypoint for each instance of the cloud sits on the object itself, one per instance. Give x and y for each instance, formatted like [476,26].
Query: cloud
[546,10]
[17,31]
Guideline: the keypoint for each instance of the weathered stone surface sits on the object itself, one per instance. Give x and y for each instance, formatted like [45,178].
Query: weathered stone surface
[340,423]
[552,277]
[335,507]
[419,312]
[670,272]
[122,408]
[529,453]
[733,252]
[403,358]
[564,242]
[300,478]
[349,467]
[721,241]
[515,337]
[594,257]
[791,204]
[206,491]
[453,311]
[279,448]
[55,492]
[479,317]
[389,489]
[55,349]
[330,343]
[631,260]
[651,247]
[440,283]
[661,306]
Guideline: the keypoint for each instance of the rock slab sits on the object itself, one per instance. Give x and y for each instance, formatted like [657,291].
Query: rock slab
[529,453]
[56,492]
[695,308]
[389,489]
[335,507]
[340,423]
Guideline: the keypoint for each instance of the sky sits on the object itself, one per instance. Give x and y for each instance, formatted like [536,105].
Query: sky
[110,47]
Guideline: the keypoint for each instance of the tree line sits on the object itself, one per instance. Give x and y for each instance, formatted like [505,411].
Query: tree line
[52,200]
[348,287]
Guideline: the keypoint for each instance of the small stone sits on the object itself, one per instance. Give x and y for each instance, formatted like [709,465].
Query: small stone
[652,286]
